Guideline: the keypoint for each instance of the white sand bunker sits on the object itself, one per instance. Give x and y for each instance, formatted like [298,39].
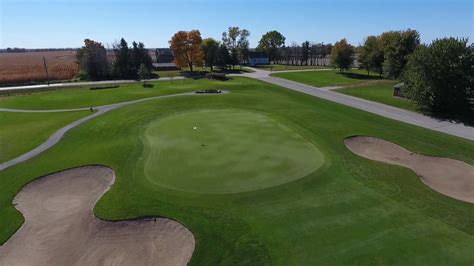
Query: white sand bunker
[60,228]
[450,177]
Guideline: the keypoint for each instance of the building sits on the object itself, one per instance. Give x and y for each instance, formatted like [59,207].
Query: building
[164,55]
[164,60]
[258,58]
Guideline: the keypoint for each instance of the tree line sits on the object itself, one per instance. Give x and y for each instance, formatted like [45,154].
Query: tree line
[129,62]
[437,77]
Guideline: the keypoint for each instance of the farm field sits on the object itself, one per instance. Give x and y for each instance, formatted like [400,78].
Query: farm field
[328,78]
[381,92]
[27,67]
[328,206]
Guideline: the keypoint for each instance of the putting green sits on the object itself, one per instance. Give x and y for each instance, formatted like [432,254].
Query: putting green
[225,151]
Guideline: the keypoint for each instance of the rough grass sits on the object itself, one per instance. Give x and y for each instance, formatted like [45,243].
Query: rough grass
[328,78]
[350,211]
[381,92]
[21,132]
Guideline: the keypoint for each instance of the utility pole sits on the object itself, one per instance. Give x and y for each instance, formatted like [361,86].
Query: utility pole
[46,69]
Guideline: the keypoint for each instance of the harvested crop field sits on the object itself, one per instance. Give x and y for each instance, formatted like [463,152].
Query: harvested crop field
[27,67]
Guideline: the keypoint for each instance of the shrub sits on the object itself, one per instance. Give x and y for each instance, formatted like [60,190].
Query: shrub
[218,76]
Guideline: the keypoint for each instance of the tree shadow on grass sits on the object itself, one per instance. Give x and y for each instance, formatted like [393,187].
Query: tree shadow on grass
[352,75]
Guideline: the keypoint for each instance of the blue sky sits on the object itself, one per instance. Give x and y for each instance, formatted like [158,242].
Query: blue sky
[62,23]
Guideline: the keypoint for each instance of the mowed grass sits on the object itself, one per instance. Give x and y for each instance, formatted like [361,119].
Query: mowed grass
[381,92]
[21,132]
[350,211]
[328,77]
[256,147]
[84,97]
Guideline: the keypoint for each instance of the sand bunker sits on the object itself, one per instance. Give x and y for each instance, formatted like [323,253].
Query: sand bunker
[60,228]
[450,177]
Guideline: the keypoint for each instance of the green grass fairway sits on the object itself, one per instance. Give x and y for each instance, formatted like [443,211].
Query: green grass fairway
[21,132]
[381,92]
[327,77]
[349,211]
[229,151]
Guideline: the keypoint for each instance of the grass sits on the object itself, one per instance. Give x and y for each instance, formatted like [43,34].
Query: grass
[381,92]
[277,67]
[350,211]
[84,97]
[328,78]
[21,132]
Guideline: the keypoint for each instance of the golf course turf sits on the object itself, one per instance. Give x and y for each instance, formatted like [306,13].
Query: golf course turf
[21,132]
[350,210]
[381,92]
[325,78]
[256,151]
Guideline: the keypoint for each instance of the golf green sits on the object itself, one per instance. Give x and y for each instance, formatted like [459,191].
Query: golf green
[226,151]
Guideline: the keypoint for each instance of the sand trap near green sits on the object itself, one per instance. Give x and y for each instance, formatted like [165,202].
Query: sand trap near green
[225,151]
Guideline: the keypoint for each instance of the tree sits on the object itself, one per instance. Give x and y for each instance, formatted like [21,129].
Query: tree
[186,47]
[305,52]
[209,47]
[398,45]
[139,55]
[222,57]
[122,60]
[243,46]
[143,73]
[342,55]
[270,42]
[92,58]
[371,54]
[439,77]
[236,42]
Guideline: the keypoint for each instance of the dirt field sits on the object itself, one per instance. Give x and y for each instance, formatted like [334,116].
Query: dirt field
[24,68]
[61,229]
[450,177]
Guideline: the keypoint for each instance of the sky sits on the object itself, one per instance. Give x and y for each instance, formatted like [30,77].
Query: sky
[66,23]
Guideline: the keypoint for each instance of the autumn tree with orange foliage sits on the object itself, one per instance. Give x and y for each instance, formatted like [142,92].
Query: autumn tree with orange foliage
[186,47]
